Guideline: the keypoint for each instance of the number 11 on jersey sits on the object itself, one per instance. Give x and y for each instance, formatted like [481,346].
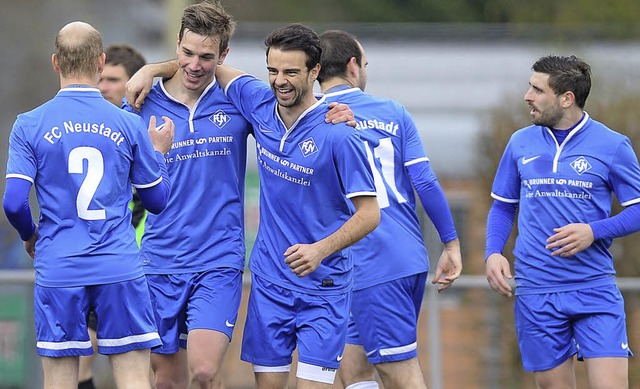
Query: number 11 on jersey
[386,174]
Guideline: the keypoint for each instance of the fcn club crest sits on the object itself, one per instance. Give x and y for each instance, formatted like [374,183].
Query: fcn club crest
[220,118]
[308,147]
[581,165]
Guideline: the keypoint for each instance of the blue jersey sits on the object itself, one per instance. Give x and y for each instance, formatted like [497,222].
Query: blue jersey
[307,173]
[202,226]
[560,184]
[395,249]
[83,154]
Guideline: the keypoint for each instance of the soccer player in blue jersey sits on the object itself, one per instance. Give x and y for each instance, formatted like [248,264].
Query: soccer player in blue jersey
[310,174]
[82,154]
[561,173]
[193,253]
[390,263]
[121,62]
[196,278]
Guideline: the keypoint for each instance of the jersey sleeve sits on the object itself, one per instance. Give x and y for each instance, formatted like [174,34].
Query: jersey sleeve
[156,197]
[127,107]
[247,93]
[625,174]
[414,151]
[433,199]
[22,161]
[506,184]
[16,207]
[500,221]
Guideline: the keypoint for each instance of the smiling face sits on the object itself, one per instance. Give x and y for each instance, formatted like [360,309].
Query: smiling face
[290,80]
[546,108]
[198,56]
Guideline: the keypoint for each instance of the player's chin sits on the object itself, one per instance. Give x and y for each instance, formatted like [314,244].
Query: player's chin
[286,103]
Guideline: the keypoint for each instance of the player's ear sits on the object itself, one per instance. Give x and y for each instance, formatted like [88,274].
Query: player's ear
[101,61]
[315,71]
[353,69]
[223,55]
[54,62]
[567,99]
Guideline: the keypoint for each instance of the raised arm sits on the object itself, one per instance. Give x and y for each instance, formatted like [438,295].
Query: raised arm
[139,85]
[155,198]
[337,112]
[303,259]
[224,74]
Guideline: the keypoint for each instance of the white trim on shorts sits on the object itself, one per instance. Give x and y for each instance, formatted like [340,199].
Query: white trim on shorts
[316,373]
[63,345]
[271,369]
[399,350]
[127,340]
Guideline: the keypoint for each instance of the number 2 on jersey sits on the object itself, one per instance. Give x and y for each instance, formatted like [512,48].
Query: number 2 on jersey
[95,171]
[386,174]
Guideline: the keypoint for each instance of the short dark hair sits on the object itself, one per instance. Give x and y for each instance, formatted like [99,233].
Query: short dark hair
[208,18]
[125,55]
[338,47]
[566,73]
[296,37]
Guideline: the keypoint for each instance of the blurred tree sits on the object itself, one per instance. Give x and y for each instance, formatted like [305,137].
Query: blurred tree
[560,13]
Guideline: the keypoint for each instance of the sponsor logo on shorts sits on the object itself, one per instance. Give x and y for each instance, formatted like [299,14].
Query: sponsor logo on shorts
[228,324]
[624,345]
[339,358]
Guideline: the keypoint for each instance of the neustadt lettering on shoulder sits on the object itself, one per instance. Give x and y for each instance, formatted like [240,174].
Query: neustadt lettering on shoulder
[391,127]
[70,128]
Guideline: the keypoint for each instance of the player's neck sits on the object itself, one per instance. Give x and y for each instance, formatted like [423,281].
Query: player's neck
[79,82]
[176,88]
[570,119]
[334,82]
[289,115]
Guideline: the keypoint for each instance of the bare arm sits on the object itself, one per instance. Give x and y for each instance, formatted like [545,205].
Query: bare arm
[303,259]
[140,83]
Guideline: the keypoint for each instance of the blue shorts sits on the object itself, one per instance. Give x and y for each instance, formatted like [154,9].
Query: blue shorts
[384,319]
[553,327]
[183,302]
[125,318]
[279,320]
